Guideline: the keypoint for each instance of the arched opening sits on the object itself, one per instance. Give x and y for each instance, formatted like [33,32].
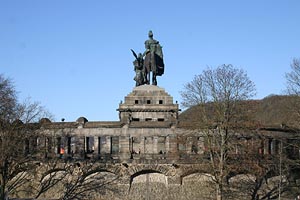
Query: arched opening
[148,183]
[242,185]
[198,185]
[78,181]
[141,174]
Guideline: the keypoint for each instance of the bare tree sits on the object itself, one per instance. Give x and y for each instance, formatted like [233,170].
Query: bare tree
[293,78]
[293,89]
[50,174]
[83,180]
[73,180]
[17,138]
[217,93]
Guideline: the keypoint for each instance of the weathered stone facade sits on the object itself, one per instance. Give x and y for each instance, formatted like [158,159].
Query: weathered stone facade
[148,146]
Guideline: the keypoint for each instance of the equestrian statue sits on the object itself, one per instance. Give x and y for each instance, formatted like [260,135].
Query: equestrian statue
[150,61]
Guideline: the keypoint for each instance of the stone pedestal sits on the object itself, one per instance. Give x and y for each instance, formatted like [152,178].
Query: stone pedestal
[148,103]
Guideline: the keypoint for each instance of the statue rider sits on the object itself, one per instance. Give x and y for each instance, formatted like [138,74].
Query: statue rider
[154,49]
[151,45]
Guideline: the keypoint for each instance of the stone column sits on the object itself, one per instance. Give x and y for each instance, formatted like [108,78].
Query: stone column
[167,144]
[155,141]
[200,145]
[96,147]
[79,147]
[50,146]
[148,145]
[173,144]
[123,144]
[102,141]
[173,148]
[108,146]
[189,143]
[273,146]
[266,146]
[124,147]
[142,145]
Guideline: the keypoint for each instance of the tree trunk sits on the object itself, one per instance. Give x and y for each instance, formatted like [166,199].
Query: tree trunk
[258,183]
[3,180]
[219,192]
[2,191]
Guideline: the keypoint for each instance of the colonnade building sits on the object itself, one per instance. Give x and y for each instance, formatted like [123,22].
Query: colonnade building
[148,129]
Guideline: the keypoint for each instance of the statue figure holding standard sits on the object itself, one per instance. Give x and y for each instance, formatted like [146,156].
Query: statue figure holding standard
[152,62]
[138,63]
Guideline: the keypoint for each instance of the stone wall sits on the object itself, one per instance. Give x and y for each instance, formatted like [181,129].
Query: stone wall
[151,182]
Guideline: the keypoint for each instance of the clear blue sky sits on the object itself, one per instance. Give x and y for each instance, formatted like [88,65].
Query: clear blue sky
[74,56]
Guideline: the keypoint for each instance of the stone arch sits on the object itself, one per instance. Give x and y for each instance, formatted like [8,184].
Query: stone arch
[266,175]
[134,171]
[193,169]
[241,177]
[100,170]
[196,172]
[162,169]
[101,174]
[106,168]
[148,176]
[145,171]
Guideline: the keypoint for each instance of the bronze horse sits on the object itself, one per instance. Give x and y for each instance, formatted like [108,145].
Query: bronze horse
[155,64]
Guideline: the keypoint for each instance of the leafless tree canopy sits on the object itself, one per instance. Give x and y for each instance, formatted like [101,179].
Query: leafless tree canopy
[11,109]
[217,92]
[8,99]
[222,84]
[293,78]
